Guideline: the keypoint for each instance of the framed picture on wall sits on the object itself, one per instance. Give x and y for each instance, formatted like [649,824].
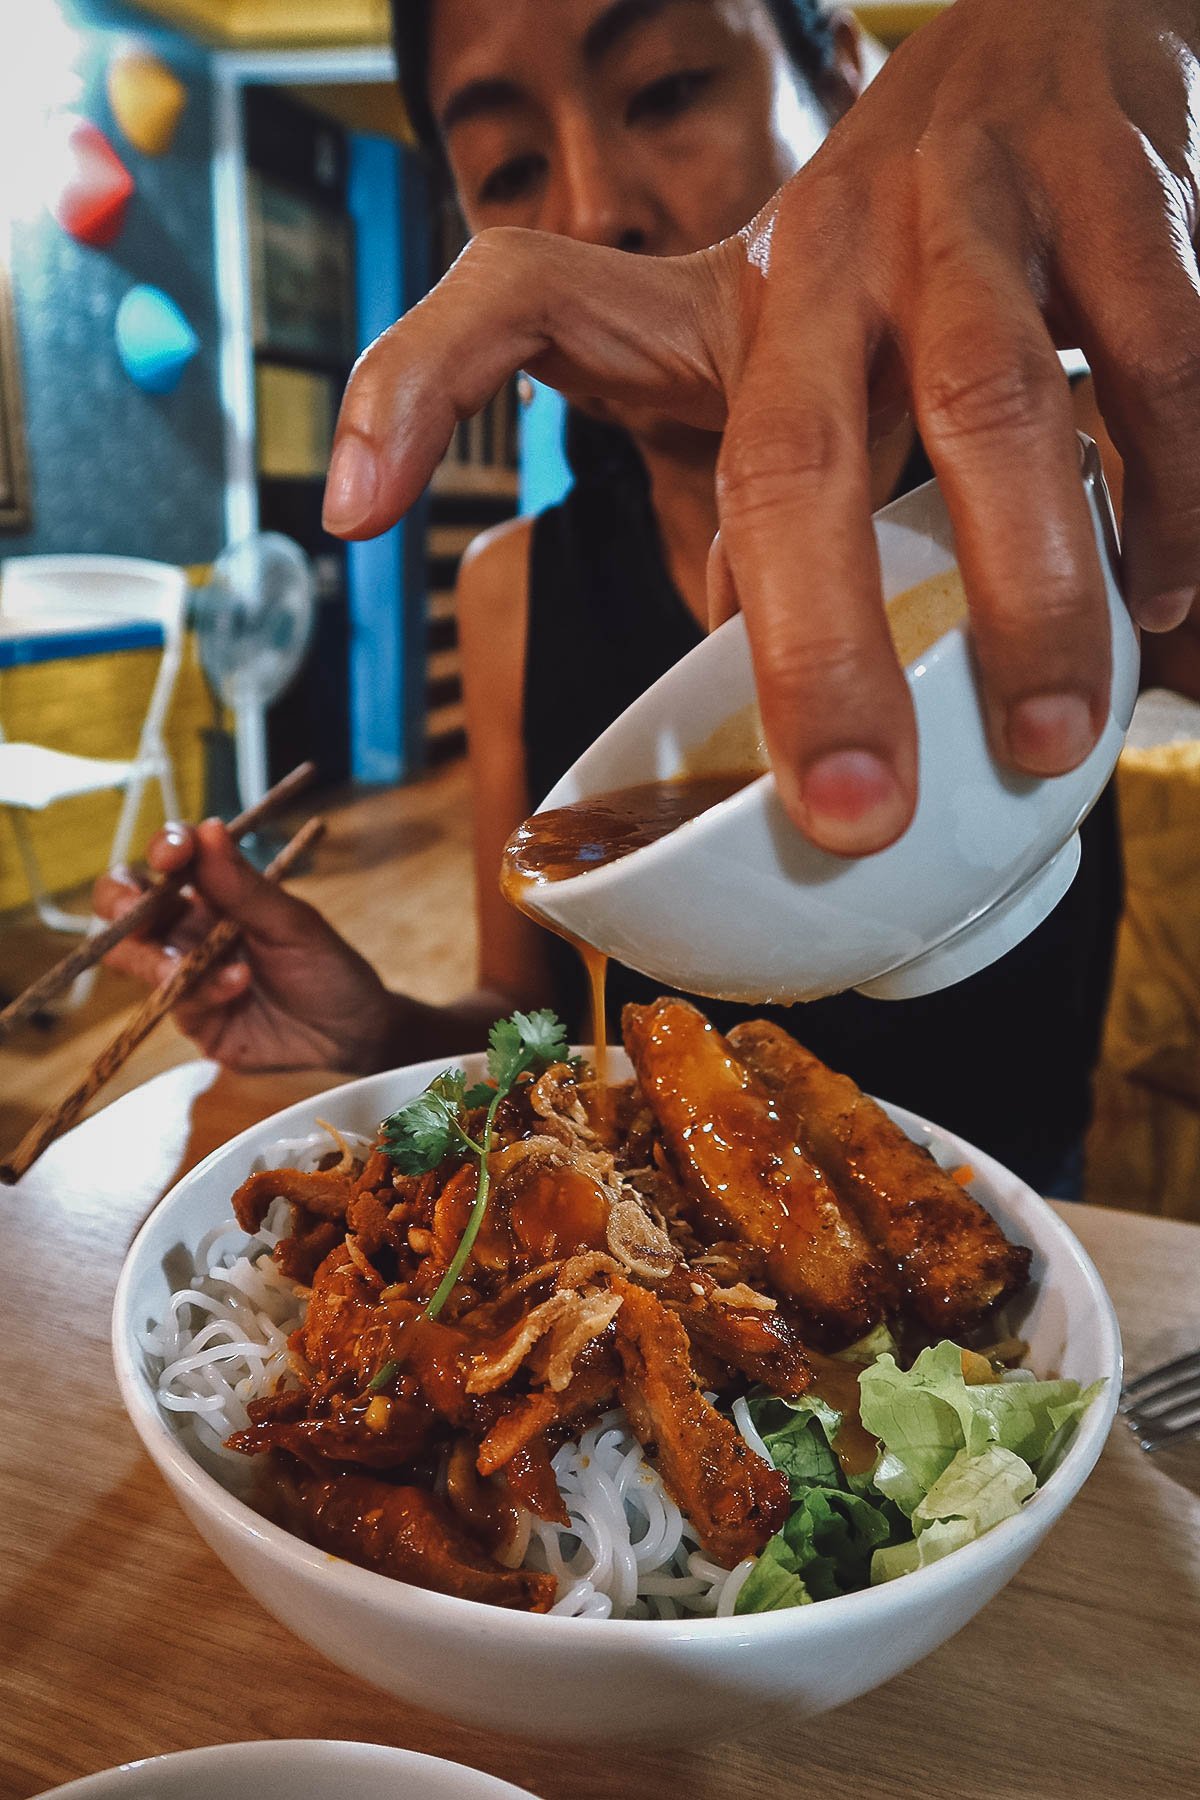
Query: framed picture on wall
[302,274]
[15,511]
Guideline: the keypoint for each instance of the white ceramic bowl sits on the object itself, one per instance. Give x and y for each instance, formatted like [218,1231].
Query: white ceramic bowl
[986,858]
[589,1679]
[289,1769]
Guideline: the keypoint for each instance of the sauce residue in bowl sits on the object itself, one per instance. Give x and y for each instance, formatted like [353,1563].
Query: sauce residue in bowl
[921,615]
[589,834]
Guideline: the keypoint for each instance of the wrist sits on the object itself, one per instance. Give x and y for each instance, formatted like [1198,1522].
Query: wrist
[385,1034]
[405,1030]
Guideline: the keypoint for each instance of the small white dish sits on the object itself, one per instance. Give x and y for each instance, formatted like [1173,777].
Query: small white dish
[289,1769]
[737,905]
[603,1680]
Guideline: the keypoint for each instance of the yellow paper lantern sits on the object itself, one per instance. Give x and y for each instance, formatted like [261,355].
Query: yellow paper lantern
[147,100]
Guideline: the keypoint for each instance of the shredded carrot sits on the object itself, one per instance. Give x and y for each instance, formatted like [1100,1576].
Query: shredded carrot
[964,1174]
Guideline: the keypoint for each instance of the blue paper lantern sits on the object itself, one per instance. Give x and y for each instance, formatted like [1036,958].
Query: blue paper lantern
[154,340]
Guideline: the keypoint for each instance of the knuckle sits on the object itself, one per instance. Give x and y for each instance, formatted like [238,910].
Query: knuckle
[947,155]
[1167,375]
[1061,614]
[821,198]
[485,249]
[773,456]
[497,259]
[1057,638]
[960,398]
[820,675]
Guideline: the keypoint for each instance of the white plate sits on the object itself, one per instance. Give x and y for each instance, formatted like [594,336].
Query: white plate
[290,1769]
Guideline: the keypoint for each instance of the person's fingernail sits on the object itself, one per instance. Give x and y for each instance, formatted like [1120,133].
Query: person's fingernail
[1162,612]
[174,833]
[1050,733]
[350,488]
[854,802]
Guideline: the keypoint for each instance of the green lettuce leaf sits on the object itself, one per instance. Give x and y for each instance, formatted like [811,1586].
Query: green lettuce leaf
[925,1415]
[972,1494]
[865,1349]
[773,1584]
[824,1549]
[798,1435]
[917,1553]
[955,1460]
[833,1529]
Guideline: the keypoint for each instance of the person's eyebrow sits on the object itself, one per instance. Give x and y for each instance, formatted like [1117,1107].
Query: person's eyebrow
[616,22]
[478,99]
[495,94]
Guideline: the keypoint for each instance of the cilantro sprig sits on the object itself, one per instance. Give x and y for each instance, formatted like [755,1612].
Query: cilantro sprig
[436,1124]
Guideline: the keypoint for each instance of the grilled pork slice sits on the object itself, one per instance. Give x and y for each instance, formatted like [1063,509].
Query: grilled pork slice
[744,1170]
[955,1263]
[763,1345]
[341,1433]
[734,1499]
[410,1534]
[318,1201]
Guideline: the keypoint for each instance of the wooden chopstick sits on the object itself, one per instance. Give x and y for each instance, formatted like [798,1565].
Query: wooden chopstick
[153,1009]
[144,910]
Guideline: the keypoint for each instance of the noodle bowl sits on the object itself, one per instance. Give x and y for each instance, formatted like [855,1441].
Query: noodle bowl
[671,1680]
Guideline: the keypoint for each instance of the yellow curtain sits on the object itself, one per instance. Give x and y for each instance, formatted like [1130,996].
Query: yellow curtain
[1144,1147]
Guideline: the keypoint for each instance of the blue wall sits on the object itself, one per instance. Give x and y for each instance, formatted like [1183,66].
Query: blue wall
[113,469]
[387,575]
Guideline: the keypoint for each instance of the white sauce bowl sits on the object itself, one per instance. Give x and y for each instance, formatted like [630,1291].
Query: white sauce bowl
[736,904]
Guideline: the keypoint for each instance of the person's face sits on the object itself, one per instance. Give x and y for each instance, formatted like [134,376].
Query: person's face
[652,125]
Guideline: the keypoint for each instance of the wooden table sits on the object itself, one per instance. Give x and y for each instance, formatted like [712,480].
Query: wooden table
[121,1636]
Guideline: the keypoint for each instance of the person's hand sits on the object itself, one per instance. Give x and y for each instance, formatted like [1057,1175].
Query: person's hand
[1019,175]
[294,995]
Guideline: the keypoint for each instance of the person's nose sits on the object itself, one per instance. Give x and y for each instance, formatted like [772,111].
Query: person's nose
[599,200]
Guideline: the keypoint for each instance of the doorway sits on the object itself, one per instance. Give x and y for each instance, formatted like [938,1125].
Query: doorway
[328,228]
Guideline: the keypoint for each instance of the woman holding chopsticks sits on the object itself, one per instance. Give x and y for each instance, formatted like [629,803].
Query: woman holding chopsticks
[659,127]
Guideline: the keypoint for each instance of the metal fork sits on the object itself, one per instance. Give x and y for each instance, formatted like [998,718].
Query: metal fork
[1164,1405]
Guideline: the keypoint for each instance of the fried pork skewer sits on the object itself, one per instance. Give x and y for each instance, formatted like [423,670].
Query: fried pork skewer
[955,1263]
[743,1168]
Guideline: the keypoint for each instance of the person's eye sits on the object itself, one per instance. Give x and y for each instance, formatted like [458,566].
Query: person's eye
[666,98]
[513,180]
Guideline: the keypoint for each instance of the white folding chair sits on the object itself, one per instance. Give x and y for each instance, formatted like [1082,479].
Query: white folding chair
[91,591]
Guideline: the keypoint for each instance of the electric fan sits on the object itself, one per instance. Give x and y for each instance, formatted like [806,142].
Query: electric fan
[254,621]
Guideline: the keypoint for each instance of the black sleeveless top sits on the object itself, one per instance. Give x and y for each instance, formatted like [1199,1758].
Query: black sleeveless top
[1004,1057]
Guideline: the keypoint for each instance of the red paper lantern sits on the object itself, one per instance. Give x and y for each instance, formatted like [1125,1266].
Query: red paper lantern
[95,196]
